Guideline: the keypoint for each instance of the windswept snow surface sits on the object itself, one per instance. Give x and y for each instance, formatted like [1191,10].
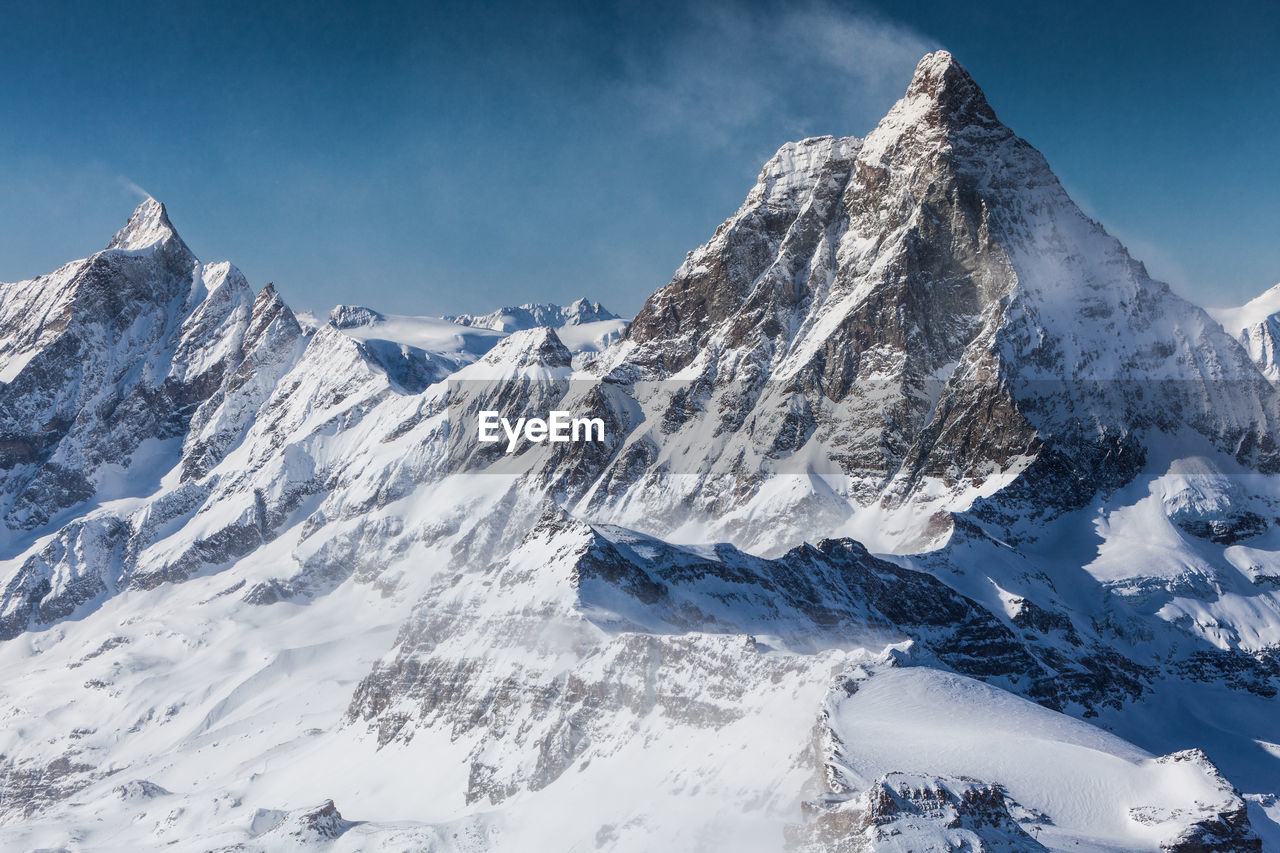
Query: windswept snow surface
[1079,788]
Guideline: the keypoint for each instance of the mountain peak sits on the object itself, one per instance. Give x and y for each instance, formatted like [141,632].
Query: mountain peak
[942,102]
[148,227]
[536,347]
[354,316]
[949,90]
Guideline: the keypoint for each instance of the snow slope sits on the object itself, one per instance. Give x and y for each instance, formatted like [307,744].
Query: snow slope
[914,729]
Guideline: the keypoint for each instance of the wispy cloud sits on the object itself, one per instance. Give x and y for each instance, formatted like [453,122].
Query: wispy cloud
[734,69]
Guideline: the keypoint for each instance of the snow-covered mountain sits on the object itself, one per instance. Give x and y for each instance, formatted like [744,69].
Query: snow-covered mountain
[583,326]
[926,314]
[924,520]
[137,357]
[1257,325]
[532,315]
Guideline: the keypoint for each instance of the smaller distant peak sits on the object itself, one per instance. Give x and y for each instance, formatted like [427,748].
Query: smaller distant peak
[536,347]
[224,274]
[584,310]
[148,227]
[353,317]
[268,294]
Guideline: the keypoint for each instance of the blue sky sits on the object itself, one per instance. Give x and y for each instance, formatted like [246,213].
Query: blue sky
[443,157]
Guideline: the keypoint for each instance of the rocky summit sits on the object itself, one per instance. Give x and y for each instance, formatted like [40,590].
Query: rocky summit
[924,520]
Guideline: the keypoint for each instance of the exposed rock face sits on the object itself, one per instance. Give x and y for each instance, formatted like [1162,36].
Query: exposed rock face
[84,559]
[271,344]
[810,596]
[140,789]
[320,824]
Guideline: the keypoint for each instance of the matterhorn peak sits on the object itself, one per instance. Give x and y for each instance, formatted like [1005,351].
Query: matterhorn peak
[942,104]
[948,91]
[148,227]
